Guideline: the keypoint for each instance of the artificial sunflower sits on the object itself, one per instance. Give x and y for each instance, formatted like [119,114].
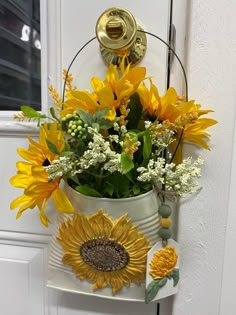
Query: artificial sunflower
[186,115]
[39,153]
[110,93]
[32,177]
[104,252]
[155,106]
[90,102]
[37,192]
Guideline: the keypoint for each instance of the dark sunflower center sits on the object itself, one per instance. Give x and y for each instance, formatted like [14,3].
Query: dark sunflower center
[104,254]
[46,162]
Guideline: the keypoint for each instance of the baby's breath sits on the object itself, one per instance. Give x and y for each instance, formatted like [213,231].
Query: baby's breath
[63,166]
[180,179]
[99,153]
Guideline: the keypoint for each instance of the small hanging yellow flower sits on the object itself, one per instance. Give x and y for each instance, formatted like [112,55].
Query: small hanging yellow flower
[105,252]
[163,262]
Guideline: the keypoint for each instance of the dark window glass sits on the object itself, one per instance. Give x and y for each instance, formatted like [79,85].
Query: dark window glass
[20,54]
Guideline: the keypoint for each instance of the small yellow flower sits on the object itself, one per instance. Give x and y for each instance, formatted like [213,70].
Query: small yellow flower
[55,95]
[69,80]
[130,145]
[163,262]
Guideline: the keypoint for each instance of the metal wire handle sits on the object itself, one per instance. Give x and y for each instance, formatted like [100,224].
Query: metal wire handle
[148,33]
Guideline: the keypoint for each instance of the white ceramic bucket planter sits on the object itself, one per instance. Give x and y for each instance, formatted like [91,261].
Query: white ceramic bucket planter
[143,210]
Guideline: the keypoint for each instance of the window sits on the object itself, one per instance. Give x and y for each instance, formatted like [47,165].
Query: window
[20,54]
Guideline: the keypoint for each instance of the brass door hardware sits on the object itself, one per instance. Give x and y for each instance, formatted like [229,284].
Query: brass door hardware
[118,35]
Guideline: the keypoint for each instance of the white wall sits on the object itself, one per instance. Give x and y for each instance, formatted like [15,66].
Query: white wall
[206,222]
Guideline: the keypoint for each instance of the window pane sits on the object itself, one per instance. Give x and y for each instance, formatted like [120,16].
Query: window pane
[20,54]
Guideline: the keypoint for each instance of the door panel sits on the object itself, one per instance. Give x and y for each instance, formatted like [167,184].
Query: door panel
[78,26]
[22,272]
[23,246]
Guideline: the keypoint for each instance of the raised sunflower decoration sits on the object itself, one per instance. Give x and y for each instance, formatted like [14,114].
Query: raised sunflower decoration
[103,251]
[162,268]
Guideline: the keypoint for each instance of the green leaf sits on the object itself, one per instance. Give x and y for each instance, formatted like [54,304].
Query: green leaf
[52,112]
[106,124]
[109,189]
[88,191]
[131,177]
[136,189]
[67,153]
[72,178]
[67,147]
[126,163]
[135,113]
[153,289]
[52,147]
[100,114]
[86,117]
[96,126]
[120,184]
[31,113]
[97,120]
[175,276]
[147,146]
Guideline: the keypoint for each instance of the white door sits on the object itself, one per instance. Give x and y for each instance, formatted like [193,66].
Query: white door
[65,26]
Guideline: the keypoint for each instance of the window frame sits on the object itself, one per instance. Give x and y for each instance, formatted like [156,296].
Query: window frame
[50,68]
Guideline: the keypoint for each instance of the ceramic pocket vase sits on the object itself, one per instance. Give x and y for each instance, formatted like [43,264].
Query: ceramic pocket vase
[102,249]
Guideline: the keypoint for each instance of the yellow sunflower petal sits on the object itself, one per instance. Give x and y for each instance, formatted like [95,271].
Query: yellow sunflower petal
[105,97]
[86,98]
[112,75]
[170,97]
[101,224]
[24,201]
[24,167]
[97,84]
[21,180]
[61,201]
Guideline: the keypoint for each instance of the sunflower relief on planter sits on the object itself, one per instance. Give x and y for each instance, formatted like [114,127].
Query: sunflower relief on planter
[111,161]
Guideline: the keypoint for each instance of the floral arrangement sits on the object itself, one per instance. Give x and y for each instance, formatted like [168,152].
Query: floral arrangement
[119,140]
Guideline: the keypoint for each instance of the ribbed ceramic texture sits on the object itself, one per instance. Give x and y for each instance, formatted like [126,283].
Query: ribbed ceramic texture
[143,210]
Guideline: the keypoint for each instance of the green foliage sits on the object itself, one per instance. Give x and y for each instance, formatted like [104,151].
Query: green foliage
[88,191]
[175,276]
[97,120]
[29,112]
[136,190]
[52,147]
[147,146]
[126,163]
[153,289]
[115,185]
[135,114]
[156,285]
[121,185]
[53,114]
